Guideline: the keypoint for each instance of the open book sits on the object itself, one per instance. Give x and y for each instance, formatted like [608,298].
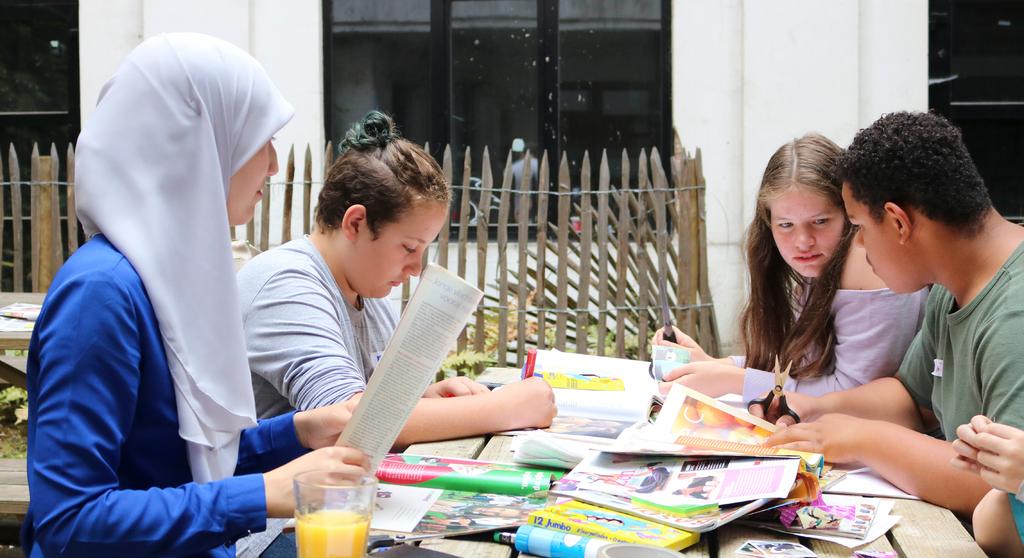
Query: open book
[596,396]
[429,327]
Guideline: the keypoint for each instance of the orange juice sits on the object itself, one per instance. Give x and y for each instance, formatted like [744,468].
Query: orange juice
[331,534]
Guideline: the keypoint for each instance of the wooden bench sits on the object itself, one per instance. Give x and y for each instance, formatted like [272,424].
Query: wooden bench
[13,487]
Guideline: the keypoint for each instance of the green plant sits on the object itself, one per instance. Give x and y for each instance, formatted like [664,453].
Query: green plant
[464,363]
[13,405]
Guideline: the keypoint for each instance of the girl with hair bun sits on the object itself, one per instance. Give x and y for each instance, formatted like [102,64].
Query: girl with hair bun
[814,300]
[315,310]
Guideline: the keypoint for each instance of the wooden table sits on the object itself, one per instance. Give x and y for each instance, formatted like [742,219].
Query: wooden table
[923,531]
[12,368]
[17,340]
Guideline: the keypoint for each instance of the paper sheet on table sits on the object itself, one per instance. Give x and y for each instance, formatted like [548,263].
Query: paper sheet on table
[868,483]
[881,525]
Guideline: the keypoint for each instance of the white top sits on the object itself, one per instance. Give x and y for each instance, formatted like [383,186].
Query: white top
[873,329]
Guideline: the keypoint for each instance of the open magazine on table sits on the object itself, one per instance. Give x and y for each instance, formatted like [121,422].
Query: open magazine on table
[437,312]
[693,424]
[696,494]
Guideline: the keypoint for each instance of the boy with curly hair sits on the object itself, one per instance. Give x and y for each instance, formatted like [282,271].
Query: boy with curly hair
[925,217]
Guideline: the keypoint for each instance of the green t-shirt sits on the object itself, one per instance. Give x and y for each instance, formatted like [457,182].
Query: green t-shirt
[970,361]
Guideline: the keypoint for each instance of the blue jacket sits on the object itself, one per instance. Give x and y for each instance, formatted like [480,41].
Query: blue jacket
[108,474]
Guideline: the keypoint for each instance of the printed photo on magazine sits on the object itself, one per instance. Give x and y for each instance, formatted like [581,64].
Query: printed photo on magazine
[828,516]
[681,482]
[430,512]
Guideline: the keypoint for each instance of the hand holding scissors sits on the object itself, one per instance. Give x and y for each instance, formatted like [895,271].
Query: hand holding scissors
[766,402]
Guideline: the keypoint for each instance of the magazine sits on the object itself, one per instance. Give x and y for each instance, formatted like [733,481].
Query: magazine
[464,474]
[428,328]
[708,520]
[849,517]
[431,512]
[674,482]
[21,311]
[693,424]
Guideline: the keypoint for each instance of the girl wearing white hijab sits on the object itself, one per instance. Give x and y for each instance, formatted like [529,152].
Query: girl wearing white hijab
[142,430]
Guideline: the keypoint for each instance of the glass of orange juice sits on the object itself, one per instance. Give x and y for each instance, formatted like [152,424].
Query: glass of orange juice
[332,514]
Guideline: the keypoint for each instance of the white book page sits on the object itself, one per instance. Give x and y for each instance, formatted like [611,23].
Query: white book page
[868,483]
[631,405]
[430,325]
[401,508]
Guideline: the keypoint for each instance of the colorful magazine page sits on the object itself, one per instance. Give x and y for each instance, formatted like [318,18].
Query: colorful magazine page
[464,474]
[456,513]
[21,311]
[684,482]
[592,521]
[698,523]
[690,413]
[847,520]
[691,423]
[665,359]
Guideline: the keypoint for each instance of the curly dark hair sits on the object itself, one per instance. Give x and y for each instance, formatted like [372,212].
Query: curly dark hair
[916,159]
[381,171]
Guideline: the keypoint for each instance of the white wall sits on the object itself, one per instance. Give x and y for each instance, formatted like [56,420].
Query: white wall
[285,36]
[749,75]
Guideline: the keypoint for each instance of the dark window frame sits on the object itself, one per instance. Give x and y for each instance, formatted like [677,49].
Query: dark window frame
[941,95]
[548,98]
[68,9]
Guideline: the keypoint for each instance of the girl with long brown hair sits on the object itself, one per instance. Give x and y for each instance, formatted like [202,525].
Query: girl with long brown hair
[814,300]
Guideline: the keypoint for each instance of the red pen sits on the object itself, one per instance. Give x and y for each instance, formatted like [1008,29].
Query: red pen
[531,361]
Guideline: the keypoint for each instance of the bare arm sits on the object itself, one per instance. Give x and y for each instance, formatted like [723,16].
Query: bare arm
[883,399]
[915,462]
[525,404]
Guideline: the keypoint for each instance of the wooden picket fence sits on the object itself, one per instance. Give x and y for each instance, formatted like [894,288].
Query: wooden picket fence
[587,280]
[43,234]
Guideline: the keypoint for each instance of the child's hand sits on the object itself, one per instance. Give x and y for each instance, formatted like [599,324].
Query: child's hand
[526,404]
[277,484]
[454,387]
[710,377]
[682,340]
[995,451]
[837,437]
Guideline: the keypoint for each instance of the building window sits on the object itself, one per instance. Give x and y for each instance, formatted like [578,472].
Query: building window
[976,79]
[560,75]
[38,75]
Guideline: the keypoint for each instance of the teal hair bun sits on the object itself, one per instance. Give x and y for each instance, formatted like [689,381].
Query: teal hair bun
[375,131]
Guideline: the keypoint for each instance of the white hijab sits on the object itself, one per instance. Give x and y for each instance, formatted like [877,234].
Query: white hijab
[182,114]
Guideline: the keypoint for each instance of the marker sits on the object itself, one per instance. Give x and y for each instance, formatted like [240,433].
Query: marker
[551,544]
[531,361]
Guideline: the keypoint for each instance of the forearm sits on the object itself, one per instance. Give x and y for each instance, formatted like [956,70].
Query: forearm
[919,464]
[884,399]
[449,418]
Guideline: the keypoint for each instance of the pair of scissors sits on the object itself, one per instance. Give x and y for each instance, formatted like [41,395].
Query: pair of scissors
[766,402]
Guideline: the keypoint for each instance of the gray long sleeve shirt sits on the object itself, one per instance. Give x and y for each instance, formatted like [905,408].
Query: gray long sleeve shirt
[308,347]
